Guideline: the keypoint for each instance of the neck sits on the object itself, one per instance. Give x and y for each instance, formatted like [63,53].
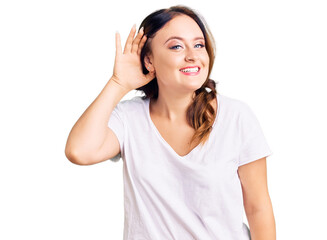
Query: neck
[171,106]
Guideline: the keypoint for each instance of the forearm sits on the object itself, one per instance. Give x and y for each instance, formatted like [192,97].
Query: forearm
[262,224]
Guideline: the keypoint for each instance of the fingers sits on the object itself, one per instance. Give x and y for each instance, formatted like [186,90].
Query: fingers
[137,41]
[118,44]
[141,44]
[136,45]
[129,40]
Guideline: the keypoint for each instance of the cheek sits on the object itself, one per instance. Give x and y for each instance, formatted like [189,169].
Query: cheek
[166,63]
[206,59]
[207,64]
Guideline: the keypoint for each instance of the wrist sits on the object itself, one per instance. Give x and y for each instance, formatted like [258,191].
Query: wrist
[115,81]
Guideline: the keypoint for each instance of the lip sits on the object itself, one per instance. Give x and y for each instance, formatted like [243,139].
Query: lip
[190,73]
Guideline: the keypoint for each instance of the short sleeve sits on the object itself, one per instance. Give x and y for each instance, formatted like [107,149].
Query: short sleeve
[116,124]
[254,145]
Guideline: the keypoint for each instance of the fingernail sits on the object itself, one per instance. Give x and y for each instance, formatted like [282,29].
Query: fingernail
[141,29]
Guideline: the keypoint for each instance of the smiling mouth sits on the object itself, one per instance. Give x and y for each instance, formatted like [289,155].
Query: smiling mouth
[190,70]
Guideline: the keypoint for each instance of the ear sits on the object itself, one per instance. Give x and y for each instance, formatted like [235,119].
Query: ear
[148,63]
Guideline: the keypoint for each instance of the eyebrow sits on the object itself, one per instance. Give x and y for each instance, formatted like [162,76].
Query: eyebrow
[180,38]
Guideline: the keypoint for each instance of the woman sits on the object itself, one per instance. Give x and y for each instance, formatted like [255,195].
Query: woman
[192,157]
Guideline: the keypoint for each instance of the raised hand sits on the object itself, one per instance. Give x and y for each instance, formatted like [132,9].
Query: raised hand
[128,68]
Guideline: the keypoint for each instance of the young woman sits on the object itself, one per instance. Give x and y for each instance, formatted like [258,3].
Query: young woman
[192,158]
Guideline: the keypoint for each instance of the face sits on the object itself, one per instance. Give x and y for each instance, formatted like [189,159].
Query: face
[178,55]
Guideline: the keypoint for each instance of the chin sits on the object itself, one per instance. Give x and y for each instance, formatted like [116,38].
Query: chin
[195,86]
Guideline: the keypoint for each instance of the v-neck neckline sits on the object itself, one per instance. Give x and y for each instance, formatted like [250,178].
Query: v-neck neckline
[147,104]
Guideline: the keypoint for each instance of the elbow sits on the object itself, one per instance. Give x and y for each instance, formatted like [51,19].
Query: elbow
[72,157]
[258,207]
[76,158]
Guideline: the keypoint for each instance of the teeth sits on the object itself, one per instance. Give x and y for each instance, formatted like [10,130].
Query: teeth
[196,69]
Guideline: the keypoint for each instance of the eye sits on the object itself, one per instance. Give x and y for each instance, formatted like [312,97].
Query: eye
[175,47]
[199,44]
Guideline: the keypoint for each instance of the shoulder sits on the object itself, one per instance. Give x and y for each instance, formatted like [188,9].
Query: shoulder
[132,103]
[133,100]
[233,105]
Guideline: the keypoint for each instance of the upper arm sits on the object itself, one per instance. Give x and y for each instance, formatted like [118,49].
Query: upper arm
[253,177]
[109,148]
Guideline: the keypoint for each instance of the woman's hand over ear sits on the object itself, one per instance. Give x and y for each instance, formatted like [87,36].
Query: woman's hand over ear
[128,68]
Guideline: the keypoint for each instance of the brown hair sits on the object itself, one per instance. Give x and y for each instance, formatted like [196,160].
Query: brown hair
[200,114]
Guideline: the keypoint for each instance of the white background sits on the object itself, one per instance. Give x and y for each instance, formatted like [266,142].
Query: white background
[55,58]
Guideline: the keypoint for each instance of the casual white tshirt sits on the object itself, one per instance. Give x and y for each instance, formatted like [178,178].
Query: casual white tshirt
[192,197]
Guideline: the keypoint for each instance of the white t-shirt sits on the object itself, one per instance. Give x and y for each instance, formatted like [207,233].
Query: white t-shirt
[192,197]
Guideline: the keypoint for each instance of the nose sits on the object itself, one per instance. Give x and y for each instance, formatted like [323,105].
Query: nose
[191,55]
